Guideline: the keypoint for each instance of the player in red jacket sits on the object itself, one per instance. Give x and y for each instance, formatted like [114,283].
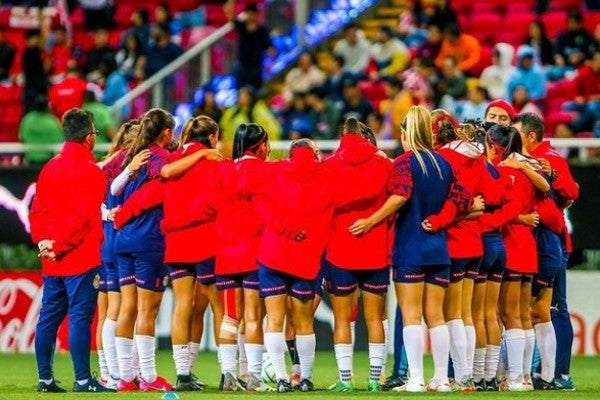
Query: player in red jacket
[298,209]
[354,262]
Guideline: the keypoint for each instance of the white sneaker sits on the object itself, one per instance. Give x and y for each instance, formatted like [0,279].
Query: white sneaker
[442,386]
[515,386]
[412,386]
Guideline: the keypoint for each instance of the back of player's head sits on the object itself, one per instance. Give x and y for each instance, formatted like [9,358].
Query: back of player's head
[444,129]
[152,125]
[248,138]
[125,136]
[304,143]
[353,126]
[199,129]
[417,136]
[505,139]
[531,122]
[77,124]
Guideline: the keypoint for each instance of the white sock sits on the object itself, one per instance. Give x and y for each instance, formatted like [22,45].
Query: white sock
[546,341]
[305,346]
[414,344]
[146,347]
[181,356]
[353,332]
[471,337]
[515,346]
[194,349]
[110,348]
[376,357]
[219,358]
[458,347]
[242,350]
[528,353]
[254,353]
[440,349]
[135,360]
[275,345]
[343,355]
[229,358]
[479,363]
[492,355]
[386,340]
[124,350]
[102,364]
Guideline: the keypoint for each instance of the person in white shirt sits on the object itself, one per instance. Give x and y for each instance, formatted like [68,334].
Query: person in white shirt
[354,48]
[303,77]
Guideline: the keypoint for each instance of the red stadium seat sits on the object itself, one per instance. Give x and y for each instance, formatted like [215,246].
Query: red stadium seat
[555,22]
[462,7]
[519,6]
[77,18]
[123,14]
[514,39]
[552,120]
[558,93]
[374,92]
[463,23]
[485,26]
[565,5]
[518,23]
[591,20]
[484,61]
[485,7]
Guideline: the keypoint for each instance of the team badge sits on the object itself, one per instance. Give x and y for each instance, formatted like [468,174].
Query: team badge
[96,282]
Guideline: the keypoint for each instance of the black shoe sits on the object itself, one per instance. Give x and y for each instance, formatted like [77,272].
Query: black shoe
[185,383]
[394,381]
[284,386]
[306,386]
[92,386]
[222,382]
[491,385]
[540,384]
[51,387]
[198,382]
[480,386]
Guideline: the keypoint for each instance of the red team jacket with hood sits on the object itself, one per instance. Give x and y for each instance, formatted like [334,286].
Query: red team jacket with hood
[361,174]
[299,197]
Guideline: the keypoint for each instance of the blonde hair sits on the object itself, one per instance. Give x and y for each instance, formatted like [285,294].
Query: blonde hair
[419,137]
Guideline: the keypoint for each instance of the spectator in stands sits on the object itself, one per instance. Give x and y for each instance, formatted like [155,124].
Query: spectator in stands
[249,108]
[450,86]
[115,87]
[159,54]
[499,112]
[436,12]
[40,126]
[103,118]
[527,74]
[303,77]
[354,48]
[475,105]
[587,101]
[575,40]
[101,58]
[61,54]
[495,77]
[67,93]
[522,103]
[465,49]
[355,105]
[297,113]
[408,32]
[253,43]
[208,105]
[542,46]
[335,76]
[419,79]
[98,14]
[140,28]
[35,69]
[375,123]
[128,55]
[7,57]
[389,53]
[431,47]
[394,108]
[164,17]
[325,113]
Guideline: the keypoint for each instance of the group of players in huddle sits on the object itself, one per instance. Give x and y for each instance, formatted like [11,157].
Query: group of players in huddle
[469,220]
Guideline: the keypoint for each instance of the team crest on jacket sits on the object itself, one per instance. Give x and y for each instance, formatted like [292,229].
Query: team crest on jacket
[96,282]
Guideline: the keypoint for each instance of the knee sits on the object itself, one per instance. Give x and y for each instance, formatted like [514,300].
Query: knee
[147,314]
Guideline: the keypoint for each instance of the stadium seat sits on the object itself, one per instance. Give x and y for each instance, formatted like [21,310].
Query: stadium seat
[374,92]
[518,23]
[558,93]
[463,22]
[555,22]
[523,5]
[462,7]
[485,26]
[552,120]
[591,20]
[123,14]
[485,7]
[484,61]
[514,39]
[565,5]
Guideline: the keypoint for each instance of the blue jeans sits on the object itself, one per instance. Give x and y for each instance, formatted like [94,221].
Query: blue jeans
[562,321]
[75,296]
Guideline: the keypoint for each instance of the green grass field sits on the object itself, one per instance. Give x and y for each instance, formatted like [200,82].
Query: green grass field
[18,380]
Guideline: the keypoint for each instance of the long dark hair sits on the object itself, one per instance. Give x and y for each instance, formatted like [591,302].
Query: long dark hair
[198,129]
[125,136]
[152,124]
[248,137]
[505,139]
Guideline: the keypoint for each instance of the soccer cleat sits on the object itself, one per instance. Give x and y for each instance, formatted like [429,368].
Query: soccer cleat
[565,384]
[198,382]
[480,385]
[306,386]
[373,386]
[51,387]
[442,386]
[160,384]
[231,383]
[185,383]
[92,386]
[540,384]
[340,386]
[394,381]
[466,384]
[513,386]
[123,386]
[222,381]
[254,384]
[284,386]
[491,385]
[412,387]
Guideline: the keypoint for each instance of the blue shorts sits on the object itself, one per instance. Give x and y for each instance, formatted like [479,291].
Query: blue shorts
[146,269]
[463,267]
[550,259]
[247,280]
[100,279]
[112,277]
[434,274]
[514,276]
[345,281]
[204,271]
[493,262]
[273,283]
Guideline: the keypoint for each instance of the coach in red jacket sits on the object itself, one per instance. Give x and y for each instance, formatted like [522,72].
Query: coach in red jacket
[66,224]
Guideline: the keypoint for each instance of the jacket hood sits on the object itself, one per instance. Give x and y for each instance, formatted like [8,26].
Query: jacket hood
[506,53]
[525,50]
[355,150]
[471,150]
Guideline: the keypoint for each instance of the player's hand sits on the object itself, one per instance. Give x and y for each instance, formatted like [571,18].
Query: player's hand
[139,160]
[427,226]
[532,220]
[212,154]
[112,213]
[546,168]
[478,204]
[361,226]
[512,163]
